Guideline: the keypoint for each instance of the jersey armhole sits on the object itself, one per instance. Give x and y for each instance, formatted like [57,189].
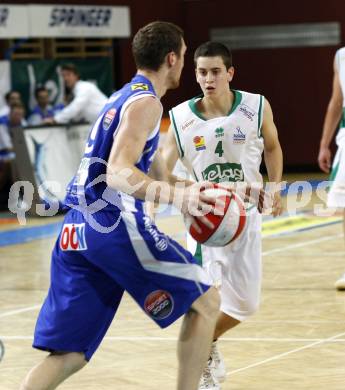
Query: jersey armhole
[260,116]
[337,60]
[132,99]
[178,140]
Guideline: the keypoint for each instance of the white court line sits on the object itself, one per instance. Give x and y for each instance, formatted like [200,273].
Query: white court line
[305,243]
[14,312]
[226,339]
[266,253]
[281,355]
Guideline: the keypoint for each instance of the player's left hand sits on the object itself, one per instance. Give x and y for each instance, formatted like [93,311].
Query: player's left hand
[277,206]
[249,193]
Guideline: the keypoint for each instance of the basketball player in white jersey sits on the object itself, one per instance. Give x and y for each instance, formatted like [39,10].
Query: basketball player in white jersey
[219,136]
[335,117]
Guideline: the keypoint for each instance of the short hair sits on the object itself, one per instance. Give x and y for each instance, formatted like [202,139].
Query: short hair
[214,49]
[9,93]
[153,42]
[39,89]
[71,68]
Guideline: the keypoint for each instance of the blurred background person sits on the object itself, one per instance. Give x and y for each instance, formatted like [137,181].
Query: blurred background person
[16,118]
[87,101]
[43,109]
[11,97]
[67,98]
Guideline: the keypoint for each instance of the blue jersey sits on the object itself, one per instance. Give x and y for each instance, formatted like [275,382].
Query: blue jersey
[88,188]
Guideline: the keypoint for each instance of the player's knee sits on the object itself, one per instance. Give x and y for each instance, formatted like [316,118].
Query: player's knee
[57,367]
[208,304]
[69,363]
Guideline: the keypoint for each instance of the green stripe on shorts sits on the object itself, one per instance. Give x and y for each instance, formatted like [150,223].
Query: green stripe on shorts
[198,253]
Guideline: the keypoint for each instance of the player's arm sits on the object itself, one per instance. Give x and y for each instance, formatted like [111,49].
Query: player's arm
[332,118]
[273,156]
[165,161]
[139,120]
[169,150]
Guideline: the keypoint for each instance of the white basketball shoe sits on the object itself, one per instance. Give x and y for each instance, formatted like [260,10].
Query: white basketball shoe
[208,381]
[217,364]
[340,283]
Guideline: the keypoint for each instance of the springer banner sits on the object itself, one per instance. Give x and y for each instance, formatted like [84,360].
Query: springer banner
[14,21]
[79,21]
[49,21]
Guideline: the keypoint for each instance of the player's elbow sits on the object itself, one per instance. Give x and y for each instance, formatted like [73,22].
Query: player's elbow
[117,171]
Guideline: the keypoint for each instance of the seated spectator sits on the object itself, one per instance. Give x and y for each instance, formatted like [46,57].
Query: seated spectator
[16,118]
[11,97]
[7,122]
[67,98]
[87,103]
[43,109]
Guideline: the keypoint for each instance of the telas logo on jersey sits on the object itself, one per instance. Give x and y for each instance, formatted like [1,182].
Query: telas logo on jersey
[218,173]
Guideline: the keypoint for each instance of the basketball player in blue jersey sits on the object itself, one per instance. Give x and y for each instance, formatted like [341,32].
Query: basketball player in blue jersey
[107,245]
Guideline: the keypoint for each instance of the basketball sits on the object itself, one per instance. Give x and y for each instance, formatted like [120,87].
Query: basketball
[227,227]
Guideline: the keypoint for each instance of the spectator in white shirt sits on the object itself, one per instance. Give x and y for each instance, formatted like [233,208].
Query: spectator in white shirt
[87,103]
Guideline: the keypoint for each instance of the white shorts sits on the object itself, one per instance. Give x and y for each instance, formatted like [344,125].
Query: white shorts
[236,268]
[336,194]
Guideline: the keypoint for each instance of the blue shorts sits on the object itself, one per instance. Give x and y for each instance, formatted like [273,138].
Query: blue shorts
[93,263]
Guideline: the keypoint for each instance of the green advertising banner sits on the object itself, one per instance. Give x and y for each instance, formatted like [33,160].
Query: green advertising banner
[27,75]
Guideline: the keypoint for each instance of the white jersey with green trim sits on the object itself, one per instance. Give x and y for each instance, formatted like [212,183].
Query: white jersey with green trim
[222,149]
[340,65]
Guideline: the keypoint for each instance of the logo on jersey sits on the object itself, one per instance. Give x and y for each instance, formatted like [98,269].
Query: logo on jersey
[161,242]
[218,173]
[82,173]
[219,132]
[73,237]
[187,124]
[247,111]
[159,304]
[239,137]
[108,118]
[199,142]
[139,87]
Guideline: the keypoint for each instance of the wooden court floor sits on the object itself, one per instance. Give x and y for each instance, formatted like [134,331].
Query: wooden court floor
[295,341]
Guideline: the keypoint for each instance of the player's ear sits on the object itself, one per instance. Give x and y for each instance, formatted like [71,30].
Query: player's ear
[171,59]
[230,73]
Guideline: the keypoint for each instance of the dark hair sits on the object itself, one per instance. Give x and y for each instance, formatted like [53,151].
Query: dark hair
[214,49]
[71,68]
[40,89]
[9,93]
[153,42]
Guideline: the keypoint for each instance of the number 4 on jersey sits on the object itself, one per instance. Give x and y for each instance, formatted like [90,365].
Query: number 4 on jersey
[219,149]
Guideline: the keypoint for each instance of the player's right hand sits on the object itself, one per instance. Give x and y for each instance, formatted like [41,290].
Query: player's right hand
[197,204]
[324,159]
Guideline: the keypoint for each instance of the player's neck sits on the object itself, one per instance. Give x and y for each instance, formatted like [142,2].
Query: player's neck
[156,80]
[216,106]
